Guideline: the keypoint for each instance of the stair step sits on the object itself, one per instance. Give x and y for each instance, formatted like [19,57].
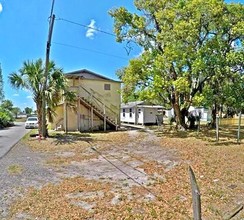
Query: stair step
[100,112]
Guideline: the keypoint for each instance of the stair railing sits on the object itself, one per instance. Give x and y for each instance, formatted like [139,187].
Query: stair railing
[92,99]
[59,124]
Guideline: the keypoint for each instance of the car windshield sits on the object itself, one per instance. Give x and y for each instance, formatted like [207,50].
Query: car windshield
[31,119]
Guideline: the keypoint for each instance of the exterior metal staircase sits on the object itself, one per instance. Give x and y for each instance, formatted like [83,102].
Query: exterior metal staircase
[102,111]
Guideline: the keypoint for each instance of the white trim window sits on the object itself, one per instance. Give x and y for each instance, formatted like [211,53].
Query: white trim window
[107,86]
[130,112]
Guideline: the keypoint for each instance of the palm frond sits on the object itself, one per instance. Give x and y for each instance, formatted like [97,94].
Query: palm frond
[17,81]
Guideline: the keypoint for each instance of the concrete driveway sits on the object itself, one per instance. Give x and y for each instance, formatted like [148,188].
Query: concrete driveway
[10,136]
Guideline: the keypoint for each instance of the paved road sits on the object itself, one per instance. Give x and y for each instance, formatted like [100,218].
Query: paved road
[10,136]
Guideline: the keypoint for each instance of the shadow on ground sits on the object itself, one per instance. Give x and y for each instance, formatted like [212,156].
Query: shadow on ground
[60,139]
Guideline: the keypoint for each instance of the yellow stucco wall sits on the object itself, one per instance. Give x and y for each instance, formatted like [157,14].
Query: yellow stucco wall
[96,87]
[80,117]
[110,98]
[58,118]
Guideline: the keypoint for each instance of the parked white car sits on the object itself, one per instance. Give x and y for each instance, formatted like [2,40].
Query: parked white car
[31,122]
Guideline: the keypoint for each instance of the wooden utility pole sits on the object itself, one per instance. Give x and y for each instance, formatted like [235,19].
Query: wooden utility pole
[50,31]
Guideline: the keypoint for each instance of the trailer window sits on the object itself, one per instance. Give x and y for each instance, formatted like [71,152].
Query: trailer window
[130,112]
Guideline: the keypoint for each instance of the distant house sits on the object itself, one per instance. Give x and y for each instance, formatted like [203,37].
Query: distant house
[97,106]
[139,112]
[205,114]
[22,115]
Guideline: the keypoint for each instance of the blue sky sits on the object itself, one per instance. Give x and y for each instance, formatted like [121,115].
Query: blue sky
[24,30]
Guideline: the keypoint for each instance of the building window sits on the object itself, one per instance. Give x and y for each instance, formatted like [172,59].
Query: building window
[123,112]
[139,111]
[130,112]
[107,87]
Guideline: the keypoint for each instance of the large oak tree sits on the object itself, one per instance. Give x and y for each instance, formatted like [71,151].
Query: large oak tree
[187,44]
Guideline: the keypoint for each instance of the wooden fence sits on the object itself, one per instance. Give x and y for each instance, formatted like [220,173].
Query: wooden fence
[230,121]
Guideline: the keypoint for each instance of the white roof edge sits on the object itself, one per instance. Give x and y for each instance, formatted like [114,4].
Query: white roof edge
[151,106]
[130,105]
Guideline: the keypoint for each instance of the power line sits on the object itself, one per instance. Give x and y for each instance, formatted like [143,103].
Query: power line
[94,51]
[128,48]
[134,180]
[92,147]
[128,176]
[86,26]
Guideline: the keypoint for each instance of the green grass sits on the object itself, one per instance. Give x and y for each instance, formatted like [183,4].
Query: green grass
[20,119]
[15,169]
[31,132]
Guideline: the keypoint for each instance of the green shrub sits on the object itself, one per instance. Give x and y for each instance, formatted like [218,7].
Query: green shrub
[6,118]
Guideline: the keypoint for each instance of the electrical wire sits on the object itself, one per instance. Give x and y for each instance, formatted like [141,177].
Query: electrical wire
[94,51]
[142,161]
[86,26]
[134,180]
[131,178]
[128,47]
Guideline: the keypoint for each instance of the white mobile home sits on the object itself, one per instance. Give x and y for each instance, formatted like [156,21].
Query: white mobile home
[139,113]
[206,114]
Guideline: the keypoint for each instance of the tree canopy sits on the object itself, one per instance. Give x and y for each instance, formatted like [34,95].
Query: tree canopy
[190,49]
[1,85]
[7,104]
[28,110]
[6,113]
[31,77]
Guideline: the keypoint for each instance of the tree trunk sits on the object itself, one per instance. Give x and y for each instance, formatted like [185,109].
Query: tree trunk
[214,111]
[39,116]
[179,114]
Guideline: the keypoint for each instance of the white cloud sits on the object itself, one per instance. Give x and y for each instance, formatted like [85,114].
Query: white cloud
[91,29]
[1,7]
[29,97]
[16,94]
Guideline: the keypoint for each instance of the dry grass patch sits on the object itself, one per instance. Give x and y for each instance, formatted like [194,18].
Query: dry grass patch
[78,198]
[59,142]
[63,201]
[63,148]
[218,167]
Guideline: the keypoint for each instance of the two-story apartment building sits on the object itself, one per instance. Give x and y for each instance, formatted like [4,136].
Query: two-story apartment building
[97,106]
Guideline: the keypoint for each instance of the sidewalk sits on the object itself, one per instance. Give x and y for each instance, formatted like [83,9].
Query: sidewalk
[10,136]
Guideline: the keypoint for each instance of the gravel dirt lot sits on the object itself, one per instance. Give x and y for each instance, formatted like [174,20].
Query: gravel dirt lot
[120,175]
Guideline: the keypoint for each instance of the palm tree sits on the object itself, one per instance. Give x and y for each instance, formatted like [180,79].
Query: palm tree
[31,77]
